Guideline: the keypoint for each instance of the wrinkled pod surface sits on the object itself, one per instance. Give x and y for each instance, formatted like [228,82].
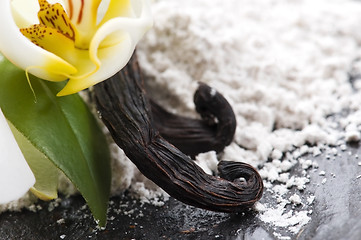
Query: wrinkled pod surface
[126,111]
[214,131]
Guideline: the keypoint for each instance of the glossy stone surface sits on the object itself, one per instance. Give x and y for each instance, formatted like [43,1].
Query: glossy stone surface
[335,213]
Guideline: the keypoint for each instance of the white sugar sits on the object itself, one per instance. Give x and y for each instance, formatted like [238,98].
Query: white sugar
[282,69]
[296,199]
[324,181]
[207,161]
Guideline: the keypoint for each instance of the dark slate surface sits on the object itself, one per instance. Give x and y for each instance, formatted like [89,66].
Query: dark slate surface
[336,213]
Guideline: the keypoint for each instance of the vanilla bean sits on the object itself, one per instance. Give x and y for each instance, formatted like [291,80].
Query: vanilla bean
[193,136]
[125,110]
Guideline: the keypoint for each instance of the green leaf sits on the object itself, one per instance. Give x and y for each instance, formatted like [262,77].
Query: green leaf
[63,129]
[45,172]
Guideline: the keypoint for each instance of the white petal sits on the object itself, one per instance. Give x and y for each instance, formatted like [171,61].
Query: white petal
[26,55]
[25,12]
[138,7]
[15,175]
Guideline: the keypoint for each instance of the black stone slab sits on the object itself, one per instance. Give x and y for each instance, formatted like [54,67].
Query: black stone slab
[336,213]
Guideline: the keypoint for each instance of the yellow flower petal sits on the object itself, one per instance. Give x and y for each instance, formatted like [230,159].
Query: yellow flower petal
[49,38]
[117,8]
[55,17]
[83,15]
[109,60]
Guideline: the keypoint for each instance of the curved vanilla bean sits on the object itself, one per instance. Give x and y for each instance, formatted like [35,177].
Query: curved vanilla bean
[125,110]
[192,136]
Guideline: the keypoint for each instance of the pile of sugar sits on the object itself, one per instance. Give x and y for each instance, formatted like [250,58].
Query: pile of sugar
[283,67]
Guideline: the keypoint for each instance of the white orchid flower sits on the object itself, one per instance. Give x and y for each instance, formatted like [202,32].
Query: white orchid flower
[15,175]
[82,41]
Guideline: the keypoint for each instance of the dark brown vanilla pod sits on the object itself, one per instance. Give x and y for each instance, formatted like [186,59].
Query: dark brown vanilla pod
[125,110]
[242,173]
[193,136]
